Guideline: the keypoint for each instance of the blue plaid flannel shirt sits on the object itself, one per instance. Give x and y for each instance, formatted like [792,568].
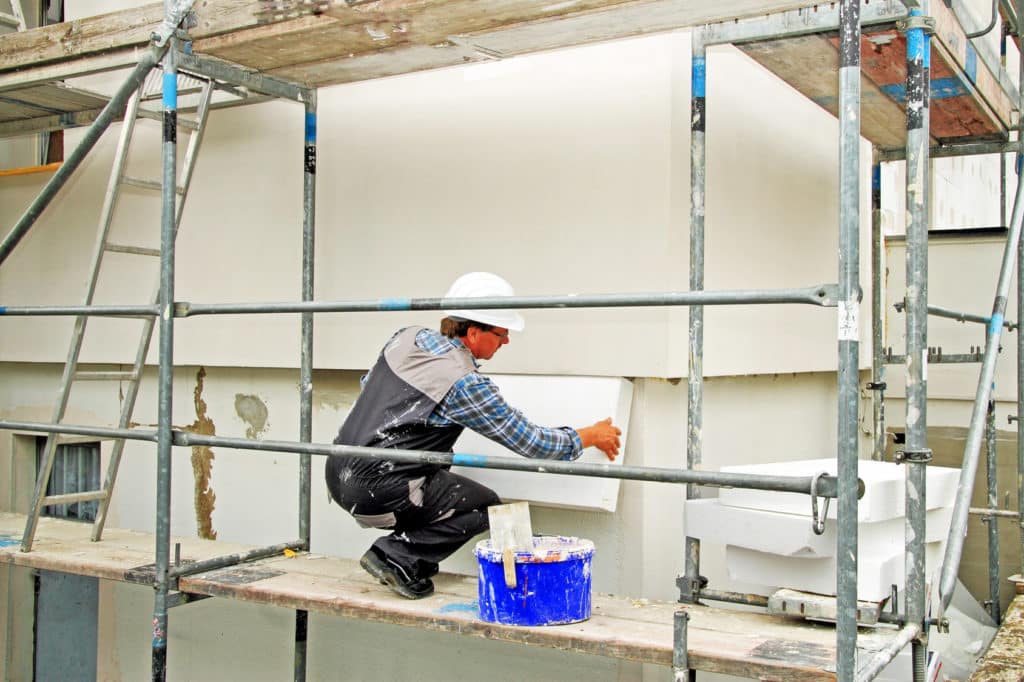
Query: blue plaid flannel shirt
[475,402]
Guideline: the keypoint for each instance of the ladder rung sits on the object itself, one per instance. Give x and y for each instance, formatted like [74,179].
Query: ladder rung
[147,184]
[9,19]
[72,498]
[137,250]
[105,376]
[159,116]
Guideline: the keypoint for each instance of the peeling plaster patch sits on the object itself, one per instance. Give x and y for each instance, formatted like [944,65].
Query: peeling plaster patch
[202,464]
[253,412]
[335,399]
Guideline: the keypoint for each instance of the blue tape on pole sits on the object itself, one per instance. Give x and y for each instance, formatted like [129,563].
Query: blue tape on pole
[3,310]
[1019,159]
[700,74]
[310,127]
[915,44]
[995,324]
[876,177]
[927,52]
[170,91]
[464,460]
[941,88]
[395,304]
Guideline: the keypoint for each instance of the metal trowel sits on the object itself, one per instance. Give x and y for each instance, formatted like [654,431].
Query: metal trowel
[511,532]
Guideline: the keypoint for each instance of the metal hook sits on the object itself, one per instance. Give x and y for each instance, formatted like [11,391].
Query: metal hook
[818,524]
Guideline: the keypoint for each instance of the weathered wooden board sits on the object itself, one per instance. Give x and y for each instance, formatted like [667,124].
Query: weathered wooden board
[344,33]
[65,546]
[1004,660]
[882,119]
[958,106]
[390,37]
[720,640]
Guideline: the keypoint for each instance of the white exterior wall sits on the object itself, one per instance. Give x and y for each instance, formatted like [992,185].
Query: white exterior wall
[565,172]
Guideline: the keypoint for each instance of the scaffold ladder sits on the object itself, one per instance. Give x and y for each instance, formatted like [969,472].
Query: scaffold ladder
[15,18]
[119,178]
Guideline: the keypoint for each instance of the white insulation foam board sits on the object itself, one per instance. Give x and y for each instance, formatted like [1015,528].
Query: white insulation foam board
[791,535]
[555,401]
[876,574]
[883,488]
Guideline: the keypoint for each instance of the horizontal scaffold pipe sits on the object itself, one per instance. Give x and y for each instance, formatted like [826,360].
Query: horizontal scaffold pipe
[136,310]
[948,151]
[107,432]
[994,513]
[882,658]
[936,311]
[193,567]
[822,295]
[798,22]
[827,486]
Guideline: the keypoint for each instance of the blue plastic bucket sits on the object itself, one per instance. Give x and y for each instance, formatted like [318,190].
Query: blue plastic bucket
[552,583]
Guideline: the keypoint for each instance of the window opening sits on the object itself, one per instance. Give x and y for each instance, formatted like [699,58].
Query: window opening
[76,469]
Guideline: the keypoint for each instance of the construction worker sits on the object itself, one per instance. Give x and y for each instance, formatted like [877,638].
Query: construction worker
[424,389]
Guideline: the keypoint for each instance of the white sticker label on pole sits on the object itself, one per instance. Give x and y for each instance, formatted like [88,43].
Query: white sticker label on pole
[849,329]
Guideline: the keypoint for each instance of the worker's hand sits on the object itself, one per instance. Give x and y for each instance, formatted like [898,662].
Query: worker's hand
[603,435]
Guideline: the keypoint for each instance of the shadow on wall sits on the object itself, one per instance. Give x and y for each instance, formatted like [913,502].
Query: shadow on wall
[947,444]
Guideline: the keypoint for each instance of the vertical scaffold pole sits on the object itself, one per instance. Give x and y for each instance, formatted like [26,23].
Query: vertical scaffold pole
[163,483]
[877,314]
[972,446]
[306,371]
[848,334]
[916,454]
[690,589]
[1020,307]
[994,607]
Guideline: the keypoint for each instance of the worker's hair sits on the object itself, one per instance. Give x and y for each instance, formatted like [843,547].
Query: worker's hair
[455,328]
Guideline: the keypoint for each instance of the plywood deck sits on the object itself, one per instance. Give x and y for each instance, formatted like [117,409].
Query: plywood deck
[341,44]
[968,101]
[720,640]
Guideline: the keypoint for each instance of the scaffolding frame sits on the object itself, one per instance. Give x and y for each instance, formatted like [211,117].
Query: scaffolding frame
[847,19]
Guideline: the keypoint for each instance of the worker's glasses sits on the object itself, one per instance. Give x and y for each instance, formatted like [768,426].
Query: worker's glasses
[502,336]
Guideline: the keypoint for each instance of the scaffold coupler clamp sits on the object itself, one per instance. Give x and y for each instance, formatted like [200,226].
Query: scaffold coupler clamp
[690,588]
[913,456]
[818,522]
[926,24]
[680,655]
[876,386]
[177,16]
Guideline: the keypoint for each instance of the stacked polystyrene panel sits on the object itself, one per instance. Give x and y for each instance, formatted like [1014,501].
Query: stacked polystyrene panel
[769,538]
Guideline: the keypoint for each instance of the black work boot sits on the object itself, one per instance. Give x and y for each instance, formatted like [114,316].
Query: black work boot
[395,577]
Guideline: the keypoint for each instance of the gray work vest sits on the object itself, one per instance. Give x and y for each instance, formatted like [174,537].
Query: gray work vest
[402,389]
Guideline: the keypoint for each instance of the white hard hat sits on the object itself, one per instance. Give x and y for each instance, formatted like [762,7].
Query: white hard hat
[485,285]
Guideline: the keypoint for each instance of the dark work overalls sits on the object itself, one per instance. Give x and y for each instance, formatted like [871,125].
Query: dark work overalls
[431,511]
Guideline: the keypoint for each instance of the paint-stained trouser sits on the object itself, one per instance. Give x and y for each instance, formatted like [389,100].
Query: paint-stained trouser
[430,517]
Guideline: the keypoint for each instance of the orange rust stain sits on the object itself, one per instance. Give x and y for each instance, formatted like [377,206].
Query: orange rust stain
[204,498]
